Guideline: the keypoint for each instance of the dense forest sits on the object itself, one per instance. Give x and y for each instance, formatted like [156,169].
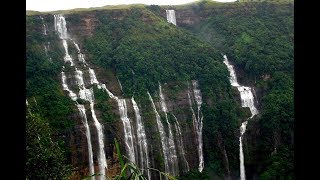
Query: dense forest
[142,50]
[258,37]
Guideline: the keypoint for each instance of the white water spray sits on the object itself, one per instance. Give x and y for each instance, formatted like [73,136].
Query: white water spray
[80,55]
[162,136]
[44,26]
[197,121]
[82,111]
[173,159]
[247,100]
[180,144]
[142,140]
[72,95]
[93,78]
[86,94]
[102,161]
[171,16]
[127,128]
[61,28]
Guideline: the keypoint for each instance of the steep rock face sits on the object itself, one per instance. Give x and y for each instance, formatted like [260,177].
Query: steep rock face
[178,104]
[176,99]
[83,26]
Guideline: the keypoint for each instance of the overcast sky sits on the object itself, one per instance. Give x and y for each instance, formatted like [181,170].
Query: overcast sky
[51,5]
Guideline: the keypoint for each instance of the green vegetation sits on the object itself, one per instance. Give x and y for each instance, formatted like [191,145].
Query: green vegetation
[52,109]
[277,119]
[258,39]
[43,79]
[44,158]
[143,50]
[102,104]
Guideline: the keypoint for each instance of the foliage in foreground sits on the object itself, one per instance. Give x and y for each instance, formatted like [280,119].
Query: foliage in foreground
[44,158]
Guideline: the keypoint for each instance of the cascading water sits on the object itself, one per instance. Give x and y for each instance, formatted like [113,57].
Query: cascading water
[119,84]
[197,121]
[46,45]
[82,111]
[93,78]
[44,27]
[142,140]
[172,148]
[162,136]
[102,161]
[127,127]
[180,144]
[129,136]
[171,16]
[67,57]
[61,28]
[86,94]
[247,100]
[79,78]
[80,55]
[72,95]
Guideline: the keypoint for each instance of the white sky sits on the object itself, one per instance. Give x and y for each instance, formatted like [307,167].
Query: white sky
[51,5]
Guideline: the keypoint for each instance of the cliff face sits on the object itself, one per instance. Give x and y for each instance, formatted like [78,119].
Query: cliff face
[139,49]
[82,26]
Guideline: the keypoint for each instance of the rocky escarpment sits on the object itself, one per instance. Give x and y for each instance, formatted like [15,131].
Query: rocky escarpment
[81,27]
[196,13]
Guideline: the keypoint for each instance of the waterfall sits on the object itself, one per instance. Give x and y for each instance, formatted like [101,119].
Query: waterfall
[171,16]
[67,57]
[87,95]
[119,84]
[127,128]
[79,78]
[109,93]
[46,45]
[247,100]
[172,148]
[162,136]
[72,95]
[102,161]
[82,111]
[61,28]
[142,140]
[44,26]
[84,93]
[180,144]
[242,168]
[197,121]
[93,78]
[80,55]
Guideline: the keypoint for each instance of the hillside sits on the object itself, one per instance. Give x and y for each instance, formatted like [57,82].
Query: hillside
[134,52]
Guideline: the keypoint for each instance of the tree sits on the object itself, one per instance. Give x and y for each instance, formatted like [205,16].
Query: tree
[44,160]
